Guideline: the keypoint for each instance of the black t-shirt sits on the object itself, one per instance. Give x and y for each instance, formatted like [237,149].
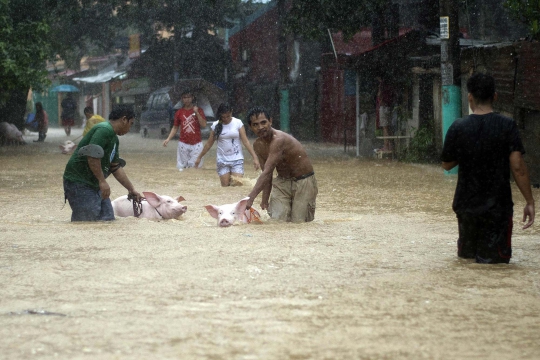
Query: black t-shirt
[482,144]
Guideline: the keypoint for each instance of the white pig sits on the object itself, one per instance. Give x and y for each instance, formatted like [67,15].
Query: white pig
[68,147]
[228,214]
[154,207]
[10,133]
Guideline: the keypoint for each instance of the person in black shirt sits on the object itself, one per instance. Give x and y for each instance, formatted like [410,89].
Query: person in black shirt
[487,147]
[69,108]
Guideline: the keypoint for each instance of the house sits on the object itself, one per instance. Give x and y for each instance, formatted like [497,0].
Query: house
[255,77]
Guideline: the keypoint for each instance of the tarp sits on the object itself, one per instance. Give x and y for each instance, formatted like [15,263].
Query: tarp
[101,78]
[65,88]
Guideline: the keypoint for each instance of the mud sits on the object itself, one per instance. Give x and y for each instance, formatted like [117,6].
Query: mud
[375,276]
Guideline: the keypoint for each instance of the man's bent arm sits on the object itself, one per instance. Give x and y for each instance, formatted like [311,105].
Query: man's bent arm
[121,177]
[265,179]
[449,165]
[521,176]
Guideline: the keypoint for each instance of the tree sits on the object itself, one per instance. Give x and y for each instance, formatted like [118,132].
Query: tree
[23,49]
[44,30]
[313,18]
[527,12]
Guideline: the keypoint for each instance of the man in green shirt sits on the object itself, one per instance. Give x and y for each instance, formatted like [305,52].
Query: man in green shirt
[85,186]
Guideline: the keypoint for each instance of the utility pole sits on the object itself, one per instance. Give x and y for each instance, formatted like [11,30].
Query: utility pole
[284,118]
[450,65]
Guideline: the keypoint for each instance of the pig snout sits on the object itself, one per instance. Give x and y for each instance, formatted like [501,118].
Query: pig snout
[225,222]
[166,206]
[228,214]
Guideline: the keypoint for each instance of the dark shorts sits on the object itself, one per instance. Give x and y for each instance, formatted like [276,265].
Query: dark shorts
[487,239]
[86,203]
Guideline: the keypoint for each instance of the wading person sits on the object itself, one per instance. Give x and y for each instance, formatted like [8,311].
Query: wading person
[91,119]
[96,156]
[230,135]
[42,120]
[487,147]
[291,195]
[69,107]
[190,120]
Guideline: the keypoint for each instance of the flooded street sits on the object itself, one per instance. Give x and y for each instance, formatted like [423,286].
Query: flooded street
[375,276]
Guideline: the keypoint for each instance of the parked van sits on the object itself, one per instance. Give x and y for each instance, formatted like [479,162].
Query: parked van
[158,114]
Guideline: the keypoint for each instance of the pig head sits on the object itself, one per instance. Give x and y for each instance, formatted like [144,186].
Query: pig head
[153,207]
[228,214]
[67,147]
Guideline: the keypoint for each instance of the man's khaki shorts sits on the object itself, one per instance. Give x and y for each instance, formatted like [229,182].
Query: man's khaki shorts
[293,200]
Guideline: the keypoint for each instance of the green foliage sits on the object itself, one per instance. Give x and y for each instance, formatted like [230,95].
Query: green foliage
[421,148]
[527,12]
[177,16]
[23,49]
[313,18]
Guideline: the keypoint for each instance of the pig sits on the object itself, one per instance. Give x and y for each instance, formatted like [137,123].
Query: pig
[68,147]
[229,214]
[9,134]
[154,206]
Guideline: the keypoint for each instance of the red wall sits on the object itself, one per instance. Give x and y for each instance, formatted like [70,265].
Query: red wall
[260,39]
[332,105]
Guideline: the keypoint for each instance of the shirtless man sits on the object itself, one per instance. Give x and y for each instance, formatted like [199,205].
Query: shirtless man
[294,188]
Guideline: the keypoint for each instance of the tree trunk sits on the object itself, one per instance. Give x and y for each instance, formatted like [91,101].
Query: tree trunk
[14,109]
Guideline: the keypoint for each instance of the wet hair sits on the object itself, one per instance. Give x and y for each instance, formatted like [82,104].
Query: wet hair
[120,112]
[257,110]
[88,110]
[222,109]
[481,87]
[187,92]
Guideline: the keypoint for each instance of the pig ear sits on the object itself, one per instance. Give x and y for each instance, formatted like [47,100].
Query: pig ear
[152,198]
[180,198]
[241,205]
[213,210]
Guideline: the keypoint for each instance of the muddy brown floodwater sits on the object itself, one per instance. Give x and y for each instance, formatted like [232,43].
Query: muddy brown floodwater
[375,276]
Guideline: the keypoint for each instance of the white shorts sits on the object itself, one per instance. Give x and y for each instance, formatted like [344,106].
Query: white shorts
[236,167]
[384,116]
[186,155]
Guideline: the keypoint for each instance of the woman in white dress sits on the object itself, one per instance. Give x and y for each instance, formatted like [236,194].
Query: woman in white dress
[230,135]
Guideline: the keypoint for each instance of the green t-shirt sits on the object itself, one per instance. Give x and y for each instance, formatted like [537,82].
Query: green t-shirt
[77,169]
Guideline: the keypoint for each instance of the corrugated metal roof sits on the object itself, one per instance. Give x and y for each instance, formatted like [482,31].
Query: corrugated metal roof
[101,78]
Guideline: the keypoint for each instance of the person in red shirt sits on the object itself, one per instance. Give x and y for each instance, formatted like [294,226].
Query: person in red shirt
[189,119]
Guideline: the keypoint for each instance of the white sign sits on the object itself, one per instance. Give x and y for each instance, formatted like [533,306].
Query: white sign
[447,74]
[445,27]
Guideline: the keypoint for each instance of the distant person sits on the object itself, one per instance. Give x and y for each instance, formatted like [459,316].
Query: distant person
[385,101]
[487,147]
[91,119]
[85,186]
[230,135]
[42,120]
[69,108]
[294,190]
[190,120]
